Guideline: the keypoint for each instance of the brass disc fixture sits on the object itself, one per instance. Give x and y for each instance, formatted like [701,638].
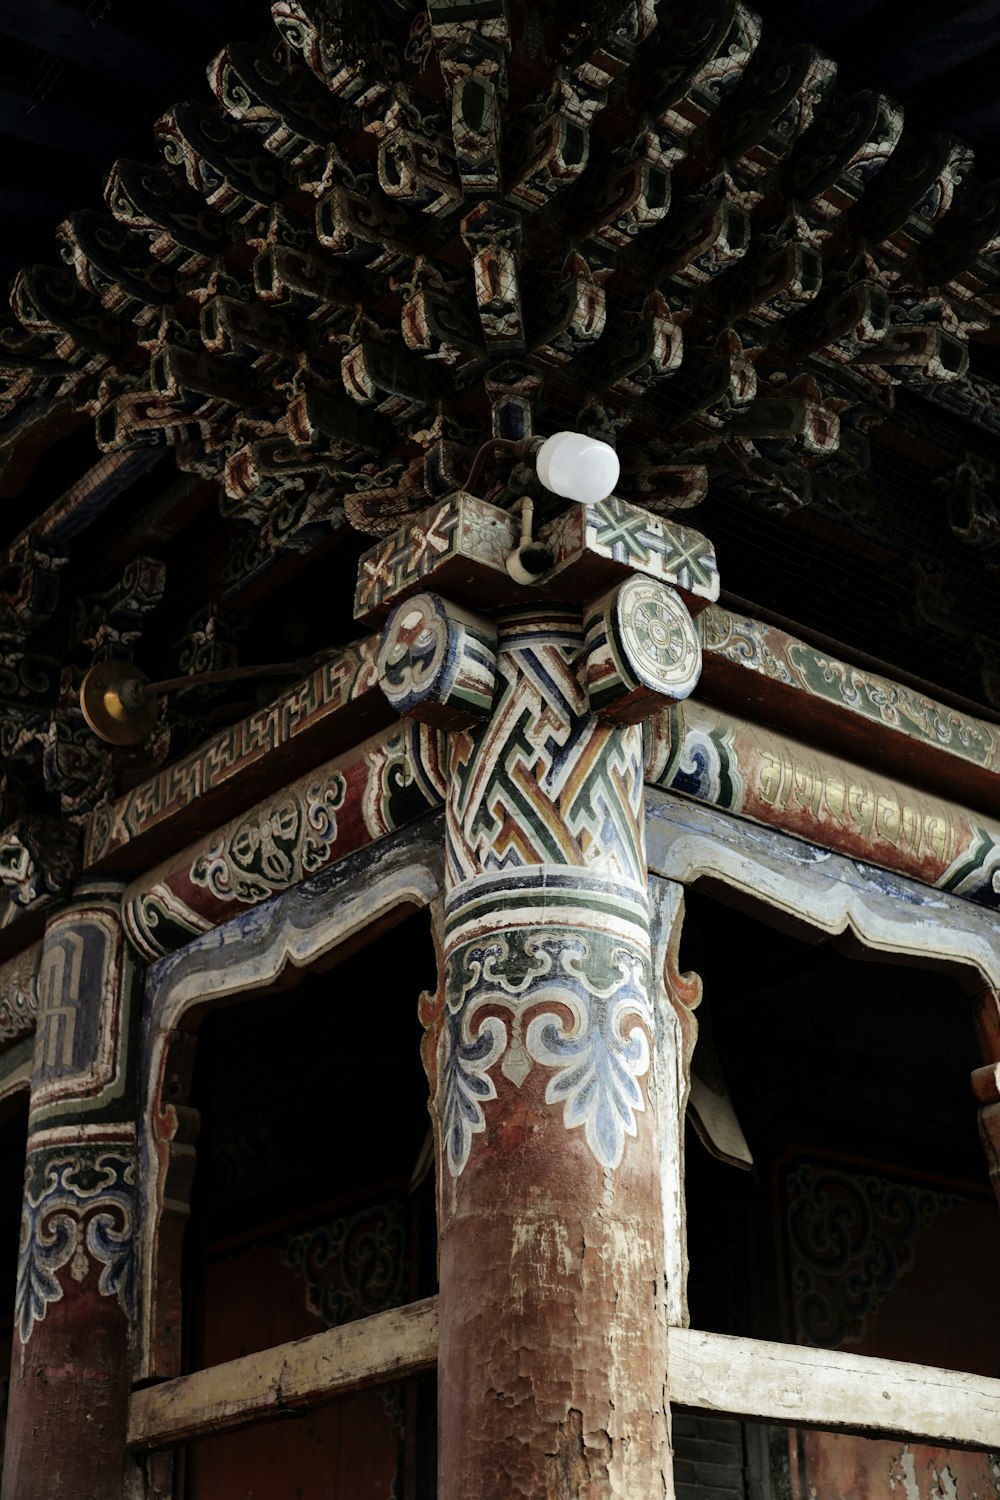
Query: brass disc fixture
[121,705]
[117,703]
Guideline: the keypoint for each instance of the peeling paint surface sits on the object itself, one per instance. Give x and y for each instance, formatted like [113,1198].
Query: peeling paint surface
[552,1353]
[551,1348]
[895,1470]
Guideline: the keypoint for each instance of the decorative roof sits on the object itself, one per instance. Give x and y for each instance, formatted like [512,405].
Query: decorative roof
[325,278]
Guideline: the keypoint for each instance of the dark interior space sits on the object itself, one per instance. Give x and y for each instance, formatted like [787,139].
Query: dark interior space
[313,1205]
[850,1080]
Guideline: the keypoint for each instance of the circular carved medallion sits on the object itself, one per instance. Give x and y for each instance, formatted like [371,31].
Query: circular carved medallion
[658,636]
[413,651]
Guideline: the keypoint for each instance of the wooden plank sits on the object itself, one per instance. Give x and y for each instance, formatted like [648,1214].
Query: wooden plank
[714,1372]
[309,1372]
[828,1388]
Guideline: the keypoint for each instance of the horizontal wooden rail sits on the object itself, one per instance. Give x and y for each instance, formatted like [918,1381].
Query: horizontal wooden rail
[736,1377]
[828,1388]
[387,1346]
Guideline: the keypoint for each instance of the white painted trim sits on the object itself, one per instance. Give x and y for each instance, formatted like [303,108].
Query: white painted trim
[828,1388]
[808,887]
[289,1377]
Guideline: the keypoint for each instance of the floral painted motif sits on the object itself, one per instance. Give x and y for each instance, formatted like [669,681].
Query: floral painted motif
[275,846]
[79,1210]
[596,1042]
[851,1236]
[355,1265]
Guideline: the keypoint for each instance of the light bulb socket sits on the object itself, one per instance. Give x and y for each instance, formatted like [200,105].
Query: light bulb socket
[526,564]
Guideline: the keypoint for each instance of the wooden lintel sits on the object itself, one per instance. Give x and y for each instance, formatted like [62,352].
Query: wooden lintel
[829,1388]
[387,1346]
[335,708]
[736,1377]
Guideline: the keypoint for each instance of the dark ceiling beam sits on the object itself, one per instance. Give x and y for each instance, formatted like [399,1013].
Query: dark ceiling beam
[917,38]
[27,206]
[94,44]
[945,44]
[45,124]
[980,126]
[28,167]
[817,20]
[217,24]
[949,95]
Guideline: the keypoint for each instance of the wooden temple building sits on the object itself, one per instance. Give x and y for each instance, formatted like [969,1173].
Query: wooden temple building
[499,965]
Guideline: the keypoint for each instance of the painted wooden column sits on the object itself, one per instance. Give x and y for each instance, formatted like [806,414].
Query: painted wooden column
[71,1364]
[552,1364]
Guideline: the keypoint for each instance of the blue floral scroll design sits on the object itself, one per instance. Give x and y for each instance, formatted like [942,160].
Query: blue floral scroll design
[851,1236]
[466,1083]
[597,1041]
[78,1211]
[600,1058]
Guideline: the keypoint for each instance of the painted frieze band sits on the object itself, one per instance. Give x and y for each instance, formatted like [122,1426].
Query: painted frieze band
[747,666]
[584,798]
[336,706]
[388,781]
[776,780]
[758,669]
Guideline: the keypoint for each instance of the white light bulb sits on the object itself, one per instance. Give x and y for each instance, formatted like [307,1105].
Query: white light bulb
[577,467]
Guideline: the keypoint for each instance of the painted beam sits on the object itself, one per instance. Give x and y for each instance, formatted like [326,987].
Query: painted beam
[753,668]
[831,802]
[829,1388]
[765,673]
[335,707]
[342,806]
[309,1372]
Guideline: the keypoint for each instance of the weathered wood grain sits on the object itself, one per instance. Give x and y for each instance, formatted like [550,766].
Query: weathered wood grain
[714,1372]
[829,1388]
[310,1371]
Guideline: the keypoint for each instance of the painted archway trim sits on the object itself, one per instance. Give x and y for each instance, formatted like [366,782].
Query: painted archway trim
[258,951]
[816,889]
